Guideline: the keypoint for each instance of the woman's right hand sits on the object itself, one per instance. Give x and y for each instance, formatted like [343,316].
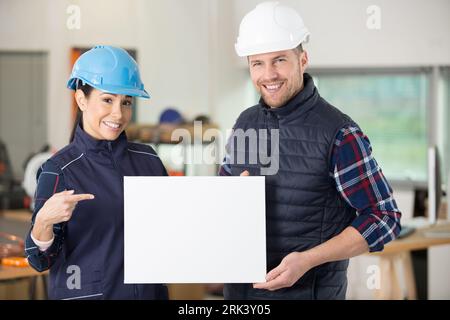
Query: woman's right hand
[58,208]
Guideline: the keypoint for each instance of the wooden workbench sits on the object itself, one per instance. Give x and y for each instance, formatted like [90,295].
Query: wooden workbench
[12,273]
[398,252]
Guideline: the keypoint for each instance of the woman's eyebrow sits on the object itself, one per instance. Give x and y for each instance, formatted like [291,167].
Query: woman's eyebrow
[115,95]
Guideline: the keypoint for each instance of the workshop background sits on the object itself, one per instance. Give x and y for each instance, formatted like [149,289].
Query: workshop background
[384,62]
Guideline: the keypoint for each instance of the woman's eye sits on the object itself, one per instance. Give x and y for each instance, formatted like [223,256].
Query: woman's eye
[127,103]
[107,100]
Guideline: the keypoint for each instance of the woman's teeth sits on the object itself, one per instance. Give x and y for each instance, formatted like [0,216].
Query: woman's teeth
[112,125]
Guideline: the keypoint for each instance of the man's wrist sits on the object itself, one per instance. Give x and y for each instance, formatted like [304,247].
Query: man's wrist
[311,258]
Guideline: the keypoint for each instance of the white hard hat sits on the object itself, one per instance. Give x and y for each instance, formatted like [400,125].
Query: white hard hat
[270,27]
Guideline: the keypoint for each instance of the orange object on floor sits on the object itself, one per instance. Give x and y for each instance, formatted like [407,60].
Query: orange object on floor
[174,173]
[15,262]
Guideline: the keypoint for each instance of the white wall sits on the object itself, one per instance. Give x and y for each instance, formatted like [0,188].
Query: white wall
[412,33]
[174,56]
[186,48]
[171,38]
[232,90]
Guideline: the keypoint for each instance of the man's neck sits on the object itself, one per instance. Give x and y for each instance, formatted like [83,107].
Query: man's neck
[296,93]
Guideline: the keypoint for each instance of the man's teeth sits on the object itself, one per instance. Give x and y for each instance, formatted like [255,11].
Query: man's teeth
[112,124]
[273,86]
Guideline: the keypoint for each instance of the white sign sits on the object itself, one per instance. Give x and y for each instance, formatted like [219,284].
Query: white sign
[195,230]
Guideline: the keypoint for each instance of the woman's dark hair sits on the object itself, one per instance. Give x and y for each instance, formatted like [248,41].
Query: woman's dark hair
[87,89]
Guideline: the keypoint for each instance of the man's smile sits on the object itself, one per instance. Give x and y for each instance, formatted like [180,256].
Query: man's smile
[272,87]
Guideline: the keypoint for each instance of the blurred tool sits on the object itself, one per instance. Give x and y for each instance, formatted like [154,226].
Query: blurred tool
[12,195]
[15,262]
[31,169]
[10,245]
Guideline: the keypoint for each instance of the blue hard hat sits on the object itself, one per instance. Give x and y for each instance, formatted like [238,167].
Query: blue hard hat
[170,115]
[109,69]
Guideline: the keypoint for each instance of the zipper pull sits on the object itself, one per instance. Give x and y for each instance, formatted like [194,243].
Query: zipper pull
[109,146]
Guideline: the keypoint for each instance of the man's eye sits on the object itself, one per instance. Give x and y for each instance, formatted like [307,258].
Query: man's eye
[281,60]
[256,64]
[107,100]
[127,103]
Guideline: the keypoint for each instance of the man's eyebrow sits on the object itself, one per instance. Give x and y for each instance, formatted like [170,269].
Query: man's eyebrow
[274,58]
[255,60]
[280,56]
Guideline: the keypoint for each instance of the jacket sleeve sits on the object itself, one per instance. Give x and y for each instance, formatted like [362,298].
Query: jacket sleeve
[162,169]
[50,180]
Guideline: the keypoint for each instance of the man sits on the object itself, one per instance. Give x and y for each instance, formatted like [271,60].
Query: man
[328,200]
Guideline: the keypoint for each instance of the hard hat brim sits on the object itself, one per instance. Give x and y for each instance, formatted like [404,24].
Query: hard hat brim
[71,84]
[260,48]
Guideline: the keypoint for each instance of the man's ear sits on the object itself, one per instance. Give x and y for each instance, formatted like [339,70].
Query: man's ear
[304,60]
[81,100]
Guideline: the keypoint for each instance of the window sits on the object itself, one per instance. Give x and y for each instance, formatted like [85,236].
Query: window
[444,125]
[390,107]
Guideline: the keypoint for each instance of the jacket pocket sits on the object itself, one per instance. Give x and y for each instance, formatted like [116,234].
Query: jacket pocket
[89,285]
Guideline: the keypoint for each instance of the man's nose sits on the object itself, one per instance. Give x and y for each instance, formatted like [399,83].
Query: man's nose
[270,72]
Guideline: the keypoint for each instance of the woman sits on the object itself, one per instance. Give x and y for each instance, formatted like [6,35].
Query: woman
[78,221]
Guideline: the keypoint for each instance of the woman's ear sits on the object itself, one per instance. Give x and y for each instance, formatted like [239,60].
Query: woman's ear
[81,100]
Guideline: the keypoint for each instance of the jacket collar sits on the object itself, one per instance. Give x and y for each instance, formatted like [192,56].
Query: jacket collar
[87,143]
[303,101]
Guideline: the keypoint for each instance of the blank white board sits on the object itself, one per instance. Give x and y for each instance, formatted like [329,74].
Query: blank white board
[194,229]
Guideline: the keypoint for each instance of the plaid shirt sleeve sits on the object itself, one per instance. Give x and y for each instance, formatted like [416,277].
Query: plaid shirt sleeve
[225,169]
[50,181]
[360,181]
